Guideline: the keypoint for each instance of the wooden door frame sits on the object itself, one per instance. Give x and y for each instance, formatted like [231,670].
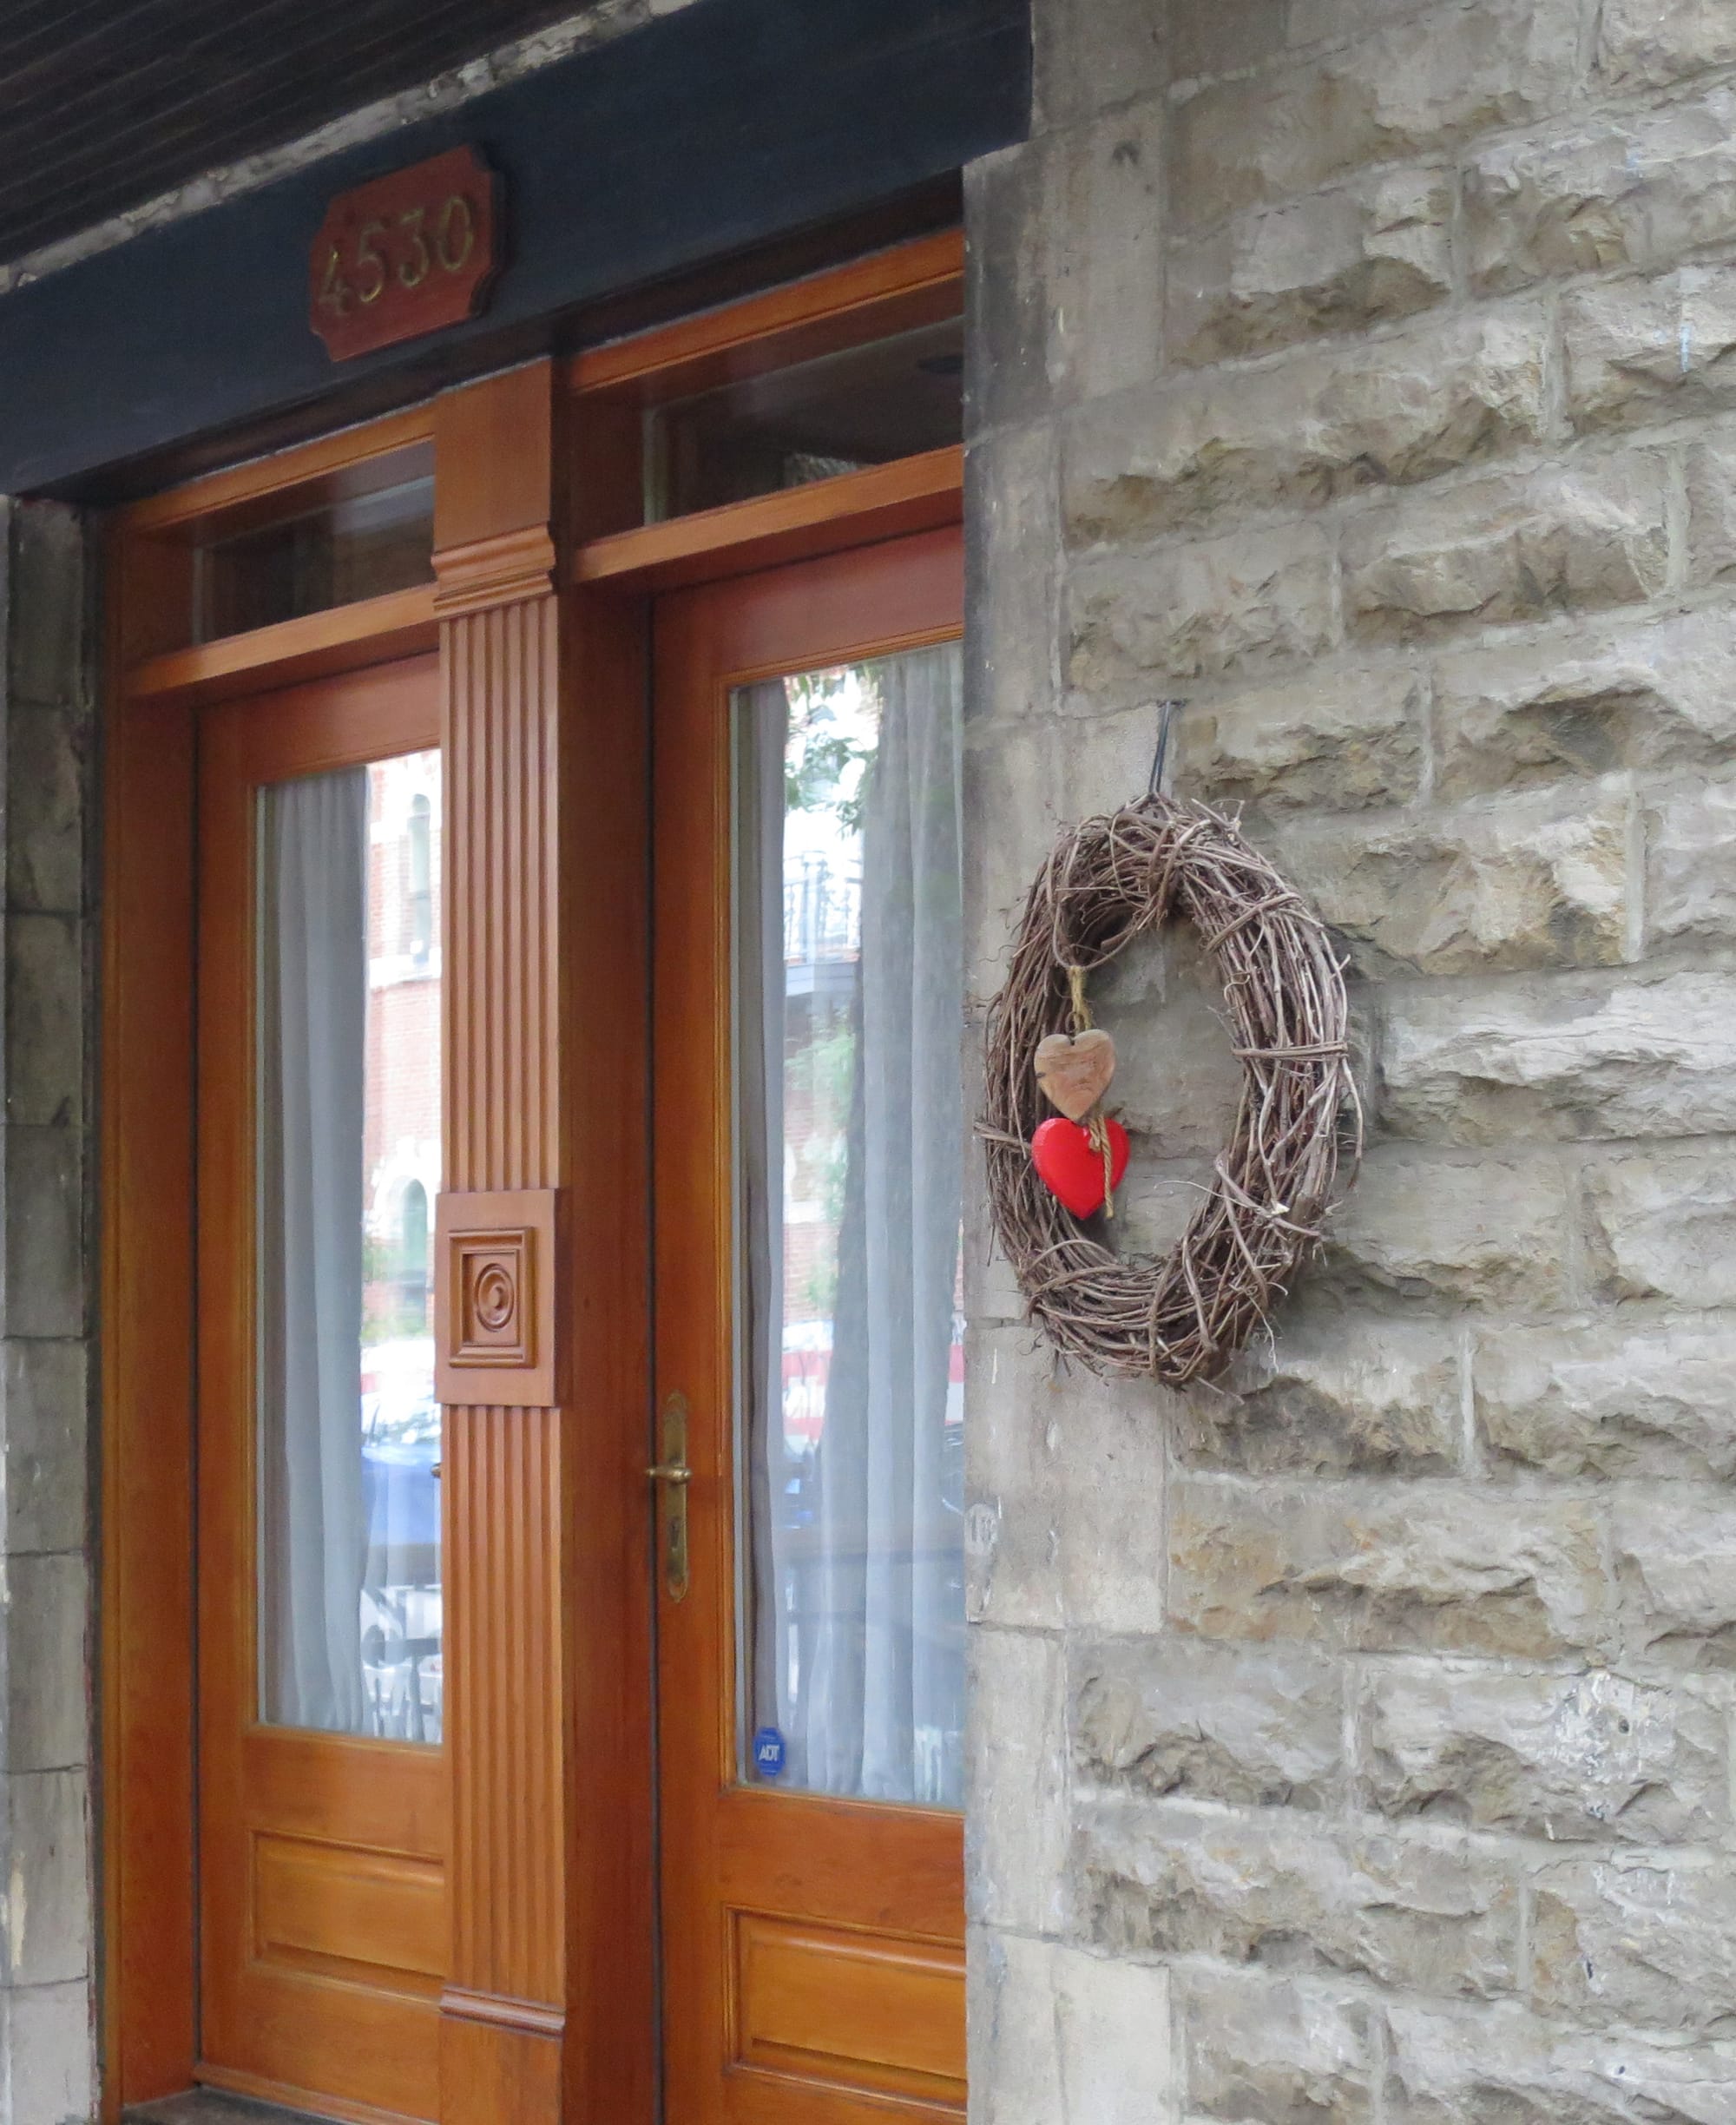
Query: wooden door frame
[540,611]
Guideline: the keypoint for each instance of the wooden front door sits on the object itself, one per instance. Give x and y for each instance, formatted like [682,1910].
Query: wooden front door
[809,1140]
[323,1806]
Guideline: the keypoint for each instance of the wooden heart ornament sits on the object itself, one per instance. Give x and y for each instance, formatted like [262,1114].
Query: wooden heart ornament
[1071,1166]
[1074,1071]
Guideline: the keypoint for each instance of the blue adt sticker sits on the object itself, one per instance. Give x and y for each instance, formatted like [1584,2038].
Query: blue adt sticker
[768,1753]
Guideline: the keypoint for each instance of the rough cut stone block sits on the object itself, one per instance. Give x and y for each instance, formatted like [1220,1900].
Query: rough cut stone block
[1525,1061]
[1014,775]
[1662,1225]
[1250,600]
[1675,1563]
[1690,882]
[1177,1082]
[1165,1878]
[1565,539]
[1317,425]
[1337,741]
[45,1424]
[1106,266]
[1449,2067]
[1208,42]
[1286,2052]
[47,1905]
[46,615]
[1533,882]
[1330,1396]
[1490,1233]
[1006,309]
[1644,349]
[1174,1715]
[1645,191]
[1596,1400]
[1638,1941]
[1090,54]
[1652,695]
[1016,1781]
[1334,261]
[1409,89]
[1647,42]
[1394,1568]
[44,1288]
[45,2039]
[1712,513]
[1011,538]
[46,794]
[47,1663]
[44,973]
[1056,2034]
[1545,1755]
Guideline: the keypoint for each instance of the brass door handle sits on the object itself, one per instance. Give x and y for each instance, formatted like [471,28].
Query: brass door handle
[672,1476]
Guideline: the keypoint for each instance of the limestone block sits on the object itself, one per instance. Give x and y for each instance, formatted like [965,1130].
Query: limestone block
[47,617]
[1511,1060]
[1654,694]
[1321,425]
[1638,1940]
[47,1663]
[1013,775]
[1712,512]
[1642,350]
[1563,1757]
[1208,42]
[47,776]
[1287,2050]
[1644,43]
[44,1281]
[1332,261]
[45,981]
[1567,538]
[1646,190]
[1177,1081]
[1016,1828]
[1491,1233]
[1334,742]
[1090,53]
[1593,1399]
[1395,1568]
[45,2039]
[45,1425]
[1690,883]
[1012,539]
[45,1908]
[1501,2064]
[1249,600]
[1662,1225]
[1248,1727]
[1056,2034]
[1412,88]
[1106,264]
[1434,1916]
[1329,1395]
[1675,1564]
[1535,881]
[1006,308]
[1066,1480]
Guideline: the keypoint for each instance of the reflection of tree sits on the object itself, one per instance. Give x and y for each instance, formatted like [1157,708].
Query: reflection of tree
[821,758]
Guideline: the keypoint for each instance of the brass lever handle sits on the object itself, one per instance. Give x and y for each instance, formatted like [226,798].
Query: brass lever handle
[670,1471]
[672,1475]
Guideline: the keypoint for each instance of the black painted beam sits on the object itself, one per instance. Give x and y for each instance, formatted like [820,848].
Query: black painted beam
[721,129]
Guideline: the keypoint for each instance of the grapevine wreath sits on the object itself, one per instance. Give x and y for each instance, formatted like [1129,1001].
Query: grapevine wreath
[1107,881]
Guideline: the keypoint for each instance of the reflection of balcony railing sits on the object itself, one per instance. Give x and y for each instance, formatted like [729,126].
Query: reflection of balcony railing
[822,914]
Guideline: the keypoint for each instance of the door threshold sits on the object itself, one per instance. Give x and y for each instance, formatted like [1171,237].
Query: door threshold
[208,2107]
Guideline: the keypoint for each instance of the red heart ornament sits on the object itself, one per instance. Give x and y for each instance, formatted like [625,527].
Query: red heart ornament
[1071,1166]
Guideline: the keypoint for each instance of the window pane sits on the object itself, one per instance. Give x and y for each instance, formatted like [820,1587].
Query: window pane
[361,547]
[849,1010]
[349,1136]
[866,407]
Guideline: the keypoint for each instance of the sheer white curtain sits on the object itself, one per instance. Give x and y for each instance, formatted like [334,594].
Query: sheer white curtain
[870,1704]
[313,976]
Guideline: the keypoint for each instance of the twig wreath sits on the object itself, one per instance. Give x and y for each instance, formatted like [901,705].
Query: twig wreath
[1107,881]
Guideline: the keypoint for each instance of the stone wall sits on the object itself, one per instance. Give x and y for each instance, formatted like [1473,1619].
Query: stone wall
[47,1274]
[1354,1742]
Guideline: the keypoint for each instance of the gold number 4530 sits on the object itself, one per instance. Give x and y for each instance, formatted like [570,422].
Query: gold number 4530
[454,239]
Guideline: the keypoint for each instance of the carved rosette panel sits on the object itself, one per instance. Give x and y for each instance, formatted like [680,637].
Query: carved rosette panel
[497,1274]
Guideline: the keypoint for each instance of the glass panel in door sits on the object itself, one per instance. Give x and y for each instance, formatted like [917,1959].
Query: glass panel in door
[349,1162]
[850,1128]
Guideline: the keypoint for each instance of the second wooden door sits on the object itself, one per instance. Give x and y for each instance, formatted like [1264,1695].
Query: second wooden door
[810,1134]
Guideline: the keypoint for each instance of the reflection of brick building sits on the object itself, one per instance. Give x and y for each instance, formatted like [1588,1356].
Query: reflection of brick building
[401,1140]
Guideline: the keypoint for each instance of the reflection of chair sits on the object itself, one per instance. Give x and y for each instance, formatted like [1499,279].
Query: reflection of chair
[393,1655]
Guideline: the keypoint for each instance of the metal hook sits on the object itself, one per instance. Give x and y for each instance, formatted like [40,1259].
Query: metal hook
[1166,711]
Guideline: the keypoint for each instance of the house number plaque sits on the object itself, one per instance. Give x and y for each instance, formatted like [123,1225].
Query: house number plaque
[406,254]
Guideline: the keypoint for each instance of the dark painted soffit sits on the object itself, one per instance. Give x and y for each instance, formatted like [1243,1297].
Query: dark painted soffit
[723,128]
[107,104]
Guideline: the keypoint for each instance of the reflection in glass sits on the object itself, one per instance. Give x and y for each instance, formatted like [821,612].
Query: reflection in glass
[349,1162]
[850,1006]
[359,547]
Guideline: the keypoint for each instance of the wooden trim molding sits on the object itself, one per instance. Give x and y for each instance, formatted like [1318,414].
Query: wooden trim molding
[495,571]
[499,1272]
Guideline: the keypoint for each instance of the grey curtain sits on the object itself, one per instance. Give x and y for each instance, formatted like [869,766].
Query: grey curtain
[313,1519]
